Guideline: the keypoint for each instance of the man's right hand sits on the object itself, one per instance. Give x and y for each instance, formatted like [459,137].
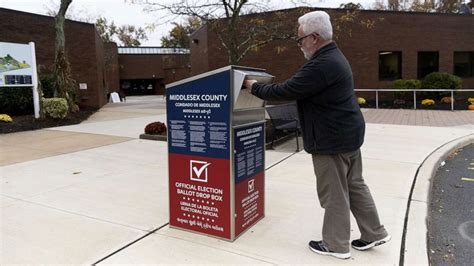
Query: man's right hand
[248,83]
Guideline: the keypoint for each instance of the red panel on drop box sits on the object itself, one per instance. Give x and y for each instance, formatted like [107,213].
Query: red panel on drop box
[200,194]
[249,202]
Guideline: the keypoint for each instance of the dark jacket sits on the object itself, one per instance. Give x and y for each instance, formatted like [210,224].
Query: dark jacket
[323,88]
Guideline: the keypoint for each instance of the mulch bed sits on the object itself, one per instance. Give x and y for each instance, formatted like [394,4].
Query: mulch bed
[28,122]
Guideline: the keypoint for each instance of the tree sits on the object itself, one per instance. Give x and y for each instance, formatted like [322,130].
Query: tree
[179,34]
[239,34]
[224,18]
[343,24]
[106,30]
[379,5]
[126,35]
[422,6]
[73,12]
[449,6]
[351,5]
[64,84]
[130,35]
[439,6]
[393,5]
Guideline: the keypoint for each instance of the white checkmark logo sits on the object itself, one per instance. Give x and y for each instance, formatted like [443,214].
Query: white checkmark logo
[251,185]
[199,170]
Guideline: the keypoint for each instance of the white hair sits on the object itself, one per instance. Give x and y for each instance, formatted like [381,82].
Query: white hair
[318,22]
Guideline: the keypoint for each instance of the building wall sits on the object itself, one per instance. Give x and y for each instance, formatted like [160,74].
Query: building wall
[83,47]
[140,66]
[111,67]
[199,51]
[409,33]
[99,95]
[176,67]
[163,68]
[393,31]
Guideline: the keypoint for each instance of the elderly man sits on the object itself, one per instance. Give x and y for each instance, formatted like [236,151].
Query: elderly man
[333,132]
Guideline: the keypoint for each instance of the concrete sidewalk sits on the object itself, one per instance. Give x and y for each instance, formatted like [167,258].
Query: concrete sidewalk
[95,193]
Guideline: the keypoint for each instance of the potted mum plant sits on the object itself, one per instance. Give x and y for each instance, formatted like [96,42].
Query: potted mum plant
[155,131]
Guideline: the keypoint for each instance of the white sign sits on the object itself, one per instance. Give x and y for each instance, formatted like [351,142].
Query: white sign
[114,97]
[18,68]
[83,86]
[16,65]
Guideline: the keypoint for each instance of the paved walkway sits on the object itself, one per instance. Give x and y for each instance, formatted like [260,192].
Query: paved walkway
[420,117]
[101,195]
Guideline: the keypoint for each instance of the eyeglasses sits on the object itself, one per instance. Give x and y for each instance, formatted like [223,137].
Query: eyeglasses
[299,41]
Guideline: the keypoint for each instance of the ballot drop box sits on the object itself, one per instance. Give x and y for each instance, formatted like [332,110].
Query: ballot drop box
[216,152]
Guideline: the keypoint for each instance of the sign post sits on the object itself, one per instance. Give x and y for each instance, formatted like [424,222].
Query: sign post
[18,68]
[216,136]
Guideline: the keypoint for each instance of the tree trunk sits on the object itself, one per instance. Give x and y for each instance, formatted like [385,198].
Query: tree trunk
[60,18]
[64,84]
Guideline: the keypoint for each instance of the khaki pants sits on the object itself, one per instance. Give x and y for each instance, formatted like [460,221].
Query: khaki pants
[341,188]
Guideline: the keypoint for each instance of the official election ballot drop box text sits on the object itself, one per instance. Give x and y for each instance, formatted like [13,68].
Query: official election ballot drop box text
[216,152]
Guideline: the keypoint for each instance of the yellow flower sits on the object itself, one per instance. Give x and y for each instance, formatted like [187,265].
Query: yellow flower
[5,118]
[471,100]
[361,100]
[427,102]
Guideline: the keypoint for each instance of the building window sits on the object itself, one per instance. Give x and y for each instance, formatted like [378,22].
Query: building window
[464,64]
[428,62]
[390,65]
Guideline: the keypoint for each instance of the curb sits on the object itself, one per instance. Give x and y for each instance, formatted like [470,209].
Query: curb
[416,240]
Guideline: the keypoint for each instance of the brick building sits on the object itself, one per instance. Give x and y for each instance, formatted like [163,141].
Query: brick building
[84,48]
[104,67]
[401,45]
[146,70]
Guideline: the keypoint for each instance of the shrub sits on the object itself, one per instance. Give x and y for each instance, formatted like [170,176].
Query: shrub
[16,100]
[55,107]
[47,85]
[440,81]
[5,118]
[405,84]
[155,128]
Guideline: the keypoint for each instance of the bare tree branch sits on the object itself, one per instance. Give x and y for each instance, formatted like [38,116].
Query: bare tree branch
[233,22]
